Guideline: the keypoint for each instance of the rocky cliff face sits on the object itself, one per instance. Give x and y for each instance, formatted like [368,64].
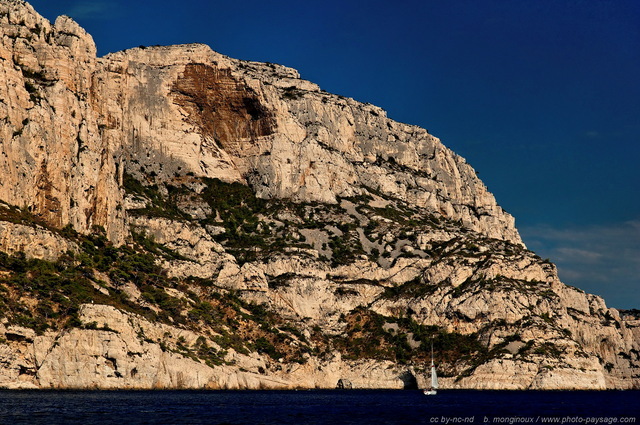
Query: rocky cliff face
[75,123]
[174,218]
[54,159]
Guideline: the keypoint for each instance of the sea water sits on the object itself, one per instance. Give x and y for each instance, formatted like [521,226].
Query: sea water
[319,407]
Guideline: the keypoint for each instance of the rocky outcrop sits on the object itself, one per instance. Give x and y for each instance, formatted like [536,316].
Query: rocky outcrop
[206,222]
[201,255]
[34,242]
[53,157]
[126,351]
[288,139]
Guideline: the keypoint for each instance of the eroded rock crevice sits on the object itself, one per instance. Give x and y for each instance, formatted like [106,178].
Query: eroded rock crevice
[223,108]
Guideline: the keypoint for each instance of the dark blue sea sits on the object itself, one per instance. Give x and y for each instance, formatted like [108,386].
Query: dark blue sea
[318,407]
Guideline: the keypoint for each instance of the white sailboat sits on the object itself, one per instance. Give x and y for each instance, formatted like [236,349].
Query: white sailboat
[434,377]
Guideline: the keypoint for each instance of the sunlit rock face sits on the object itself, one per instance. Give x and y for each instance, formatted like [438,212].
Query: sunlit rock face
[72,123]
[277,236]
[54,160]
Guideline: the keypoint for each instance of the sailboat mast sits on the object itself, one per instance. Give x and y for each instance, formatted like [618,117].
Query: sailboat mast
[432,353]
[434,376]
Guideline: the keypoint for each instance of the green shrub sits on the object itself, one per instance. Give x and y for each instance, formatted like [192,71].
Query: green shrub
[264,346]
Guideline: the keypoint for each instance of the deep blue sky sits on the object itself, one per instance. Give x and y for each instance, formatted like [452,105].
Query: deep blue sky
[542,97]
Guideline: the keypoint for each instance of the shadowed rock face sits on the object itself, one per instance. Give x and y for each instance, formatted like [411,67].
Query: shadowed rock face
[223,108]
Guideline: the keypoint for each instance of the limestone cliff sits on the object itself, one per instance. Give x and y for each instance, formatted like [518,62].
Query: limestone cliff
[72,124]
[54,159]
[174,218]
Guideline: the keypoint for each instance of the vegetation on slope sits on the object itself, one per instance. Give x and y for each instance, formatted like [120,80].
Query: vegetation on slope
[46,295]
